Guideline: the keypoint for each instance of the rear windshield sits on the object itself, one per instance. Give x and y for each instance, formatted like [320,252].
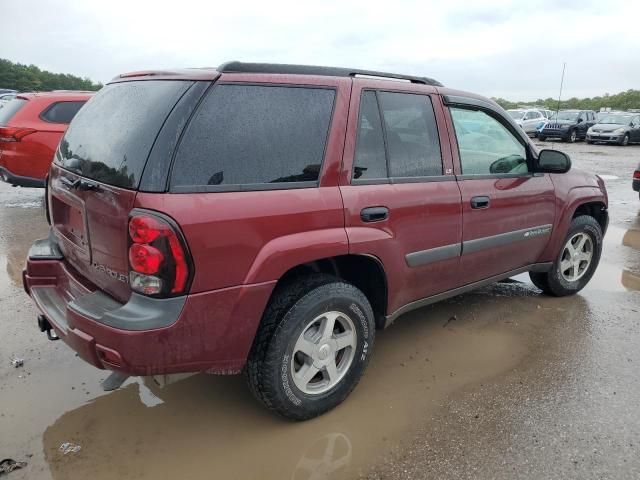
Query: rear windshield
[110,138]
[10,109]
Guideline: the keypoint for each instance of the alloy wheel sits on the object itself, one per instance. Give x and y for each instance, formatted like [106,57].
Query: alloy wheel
[323,352]
[577,255]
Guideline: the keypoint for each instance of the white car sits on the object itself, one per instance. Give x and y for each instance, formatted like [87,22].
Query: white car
[528,119]
[6,98]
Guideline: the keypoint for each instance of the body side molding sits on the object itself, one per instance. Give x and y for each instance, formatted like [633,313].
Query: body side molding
[431,255]
[423,257]
[478,244]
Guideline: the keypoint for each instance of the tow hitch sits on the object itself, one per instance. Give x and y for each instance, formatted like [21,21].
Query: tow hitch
[45,326]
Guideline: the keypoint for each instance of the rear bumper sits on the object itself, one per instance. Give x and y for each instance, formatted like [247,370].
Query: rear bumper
[210,331]
[17,180]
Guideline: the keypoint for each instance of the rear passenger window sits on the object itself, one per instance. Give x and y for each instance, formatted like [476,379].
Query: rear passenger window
[255,135]
[61,112]
[412,139]
[370,161]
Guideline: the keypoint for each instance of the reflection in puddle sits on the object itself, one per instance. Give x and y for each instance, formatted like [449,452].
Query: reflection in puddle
[20,228]
[615,274]
[326,458]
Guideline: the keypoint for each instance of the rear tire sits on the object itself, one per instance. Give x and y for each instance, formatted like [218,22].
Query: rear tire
[571,272]
[299,366]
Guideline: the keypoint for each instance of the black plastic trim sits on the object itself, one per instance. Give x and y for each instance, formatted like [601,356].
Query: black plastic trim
[371,181]
[484,243]
[291,69]
[251,187]
[400,180]
[155,175]
[139,313]
[20,181]
[45,249]
[425,179]
[490,176]
[536,267]
[423,257]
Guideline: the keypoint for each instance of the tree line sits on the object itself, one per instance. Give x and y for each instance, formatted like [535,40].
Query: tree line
[29,78]
[619,101]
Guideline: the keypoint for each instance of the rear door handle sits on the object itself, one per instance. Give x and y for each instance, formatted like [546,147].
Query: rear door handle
[480,202]
[374,214]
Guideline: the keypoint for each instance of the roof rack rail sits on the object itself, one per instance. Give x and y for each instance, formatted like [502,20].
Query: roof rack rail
[242,67]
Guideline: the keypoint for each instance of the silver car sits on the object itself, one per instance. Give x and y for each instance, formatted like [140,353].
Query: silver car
[528,119]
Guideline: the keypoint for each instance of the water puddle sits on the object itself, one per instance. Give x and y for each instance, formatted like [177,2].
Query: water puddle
[210,427]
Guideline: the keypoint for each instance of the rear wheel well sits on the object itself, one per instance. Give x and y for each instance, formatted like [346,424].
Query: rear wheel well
[596,210]
[363,271]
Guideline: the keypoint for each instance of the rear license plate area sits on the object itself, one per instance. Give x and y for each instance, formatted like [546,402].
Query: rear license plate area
[69,221]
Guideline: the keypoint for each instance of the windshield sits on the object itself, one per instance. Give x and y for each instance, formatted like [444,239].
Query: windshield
[617,119]
[515,114]
[572,116]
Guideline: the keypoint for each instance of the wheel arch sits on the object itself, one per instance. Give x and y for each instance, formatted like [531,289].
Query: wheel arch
[364,271]
[580,201]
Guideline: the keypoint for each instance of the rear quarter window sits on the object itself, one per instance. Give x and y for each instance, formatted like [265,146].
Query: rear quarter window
[254,137]
[9,109]
[61,112]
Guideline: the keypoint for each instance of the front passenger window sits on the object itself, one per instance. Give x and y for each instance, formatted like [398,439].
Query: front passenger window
[486,146]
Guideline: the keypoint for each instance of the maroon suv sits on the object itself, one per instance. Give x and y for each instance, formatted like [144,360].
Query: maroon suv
[269,218]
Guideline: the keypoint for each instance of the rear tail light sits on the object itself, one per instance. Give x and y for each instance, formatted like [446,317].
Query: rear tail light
[636,174]
[12,134]
[158,257]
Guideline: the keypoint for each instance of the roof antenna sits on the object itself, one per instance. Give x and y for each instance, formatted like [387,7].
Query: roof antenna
[564,65]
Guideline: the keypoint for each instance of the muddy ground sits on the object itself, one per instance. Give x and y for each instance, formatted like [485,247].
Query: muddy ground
[499,383]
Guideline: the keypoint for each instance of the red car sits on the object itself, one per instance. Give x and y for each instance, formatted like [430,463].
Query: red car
[269,218]
[31,126]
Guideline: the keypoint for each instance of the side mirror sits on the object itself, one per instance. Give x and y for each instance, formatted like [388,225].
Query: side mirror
[580,120]
[553,161]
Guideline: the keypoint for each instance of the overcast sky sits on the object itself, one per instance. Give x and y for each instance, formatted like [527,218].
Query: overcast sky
[509,49]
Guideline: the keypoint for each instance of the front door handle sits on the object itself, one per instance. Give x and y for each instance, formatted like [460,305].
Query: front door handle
[374,214]
[481,201]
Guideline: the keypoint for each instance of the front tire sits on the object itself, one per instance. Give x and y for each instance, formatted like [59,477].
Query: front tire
[542,138]
[625,140]
[312,347]
[572,137]
[577,261]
